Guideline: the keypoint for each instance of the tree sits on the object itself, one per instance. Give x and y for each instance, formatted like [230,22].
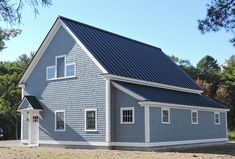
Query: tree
[10,12]
[220,15]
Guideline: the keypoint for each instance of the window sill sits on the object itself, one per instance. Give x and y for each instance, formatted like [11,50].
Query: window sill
[91,130]
[59,130]
[165,123]
[127,123]
[194,123]
[61,78]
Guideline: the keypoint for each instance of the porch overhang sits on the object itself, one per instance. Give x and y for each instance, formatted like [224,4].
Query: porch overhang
[30,103]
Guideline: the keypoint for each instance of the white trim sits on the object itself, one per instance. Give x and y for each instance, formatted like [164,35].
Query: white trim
[84,48]
[216,113]
[169,115]
[48,67]
[21,125]
[59,111]
[75,68]
[194,111]
[60,56]
[91,109]
[132,94]
[121,115]
[168,143]
[152,84]
[108,110]
[179,106]
[22,91]
[146,124]
[77,143]
[40,51]
[226,123]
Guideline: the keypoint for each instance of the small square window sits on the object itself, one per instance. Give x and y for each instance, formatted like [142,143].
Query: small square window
[60,120]
[50,72]
[165,116]
[70,70]
[90,120]
[194,117]
[217,117]
[127,115]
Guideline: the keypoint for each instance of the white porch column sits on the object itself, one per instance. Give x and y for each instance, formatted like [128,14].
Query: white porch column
[108,116]
[147,124]
[21,113]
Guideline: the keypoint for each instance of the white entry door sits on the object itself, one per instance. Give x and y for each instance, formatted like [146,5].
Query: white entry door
[34,129]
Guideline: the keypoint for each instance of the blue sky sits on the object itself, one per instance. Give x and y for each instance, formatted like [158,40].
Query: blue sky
[170,25]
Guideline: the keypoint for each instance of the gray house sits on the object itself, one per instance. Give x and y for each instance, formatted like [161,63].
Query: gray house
[90,87]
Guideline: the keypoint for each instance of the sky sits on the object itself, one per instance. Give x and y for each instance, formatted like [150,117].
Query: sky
[170,25]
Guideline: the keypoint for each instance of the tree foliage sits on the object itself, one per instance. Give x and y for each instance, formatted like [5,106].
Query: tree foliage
[220,15]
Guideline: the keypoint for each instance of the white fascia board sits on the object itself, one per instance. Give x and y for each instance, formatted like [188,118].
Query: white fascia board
[127,91]
[40,52]
[151,84]
[179,106]
[84,48]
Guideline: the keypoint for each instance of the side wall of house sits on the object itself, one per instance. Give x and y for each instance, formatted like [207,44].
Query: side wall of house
[181,128]
[74,95]
[25,126]
[126,132]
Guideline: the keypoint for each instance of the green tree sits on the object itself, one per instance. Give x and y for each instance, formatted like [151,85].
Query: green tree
[220,15]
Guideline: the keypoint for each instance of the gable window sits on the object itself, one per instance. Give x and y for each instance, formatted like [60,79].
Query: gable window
[60,66]
[165,116]
[60,120]
[91,119]
[217,117]
[127,115]
[70,70]
[194,116]
[50,72]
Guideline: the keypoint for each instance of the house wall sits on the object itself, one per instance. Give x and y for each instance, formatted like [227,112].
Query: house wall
[86,90]
[126,132]
[25,126]
[180,127]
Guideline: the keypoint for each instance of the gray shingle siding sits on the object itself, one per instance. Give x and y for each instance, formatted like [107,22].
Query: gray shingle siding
[126,132]
[25,126]
[73,95]
[181,128]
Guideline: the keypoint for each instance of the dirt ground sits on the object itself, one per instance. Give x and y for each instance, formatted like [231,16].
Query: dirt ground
[19,152]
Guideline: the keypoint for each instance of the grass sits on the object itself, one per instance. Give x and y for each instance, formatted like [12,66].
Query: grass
[231,135]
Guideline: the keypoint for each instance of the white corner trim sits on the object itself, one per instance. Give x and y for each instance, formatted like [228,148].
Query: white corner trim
[169,115]
[194,111]
[84,48]
[40,51]
[59,111]
[121,115]
[76,143]
[123,89]
[85,112]
[179,106]
[21,126]
[147,124]
[108,110]
[151,84]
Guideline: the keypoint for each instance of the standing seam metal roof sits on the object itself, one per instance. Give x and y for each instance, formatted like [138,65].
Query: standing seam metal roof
[129,58]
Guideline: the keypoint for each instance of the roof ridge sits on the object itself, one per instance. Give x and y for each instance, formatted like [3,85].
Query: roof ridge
[109,32]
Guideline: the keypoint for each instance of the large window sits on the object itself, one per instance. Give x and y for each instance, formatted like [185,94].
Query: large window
[51,72]
[127,115]
[60,66]
[165,113]
[194,117]
[217,117]
[60,120]
[91,119]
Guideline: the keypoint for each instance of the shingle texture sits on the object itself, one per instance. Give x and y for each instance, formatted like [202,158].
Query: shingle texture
[170,96]
[129,58]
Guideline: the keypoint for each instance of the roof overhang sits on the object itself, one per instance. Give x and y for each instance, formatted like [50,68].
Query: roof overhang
[30,103]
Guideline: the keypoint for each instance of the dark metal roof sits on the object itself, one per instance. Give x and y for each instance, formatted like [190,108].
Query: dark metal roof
[32,100]
[129,58]
[170,96]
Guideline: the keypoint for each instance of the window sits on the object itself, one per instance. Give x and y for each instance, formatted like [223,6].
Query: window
[70,70]
[194,116]
[127,115]
[35,119]
[165,116]
[90,120]
[60,120]
[60,66]
[50,72]
[217,117]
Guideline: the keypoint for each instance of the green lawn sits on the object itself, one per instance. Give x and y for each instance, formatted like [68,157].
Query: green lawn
[231,135]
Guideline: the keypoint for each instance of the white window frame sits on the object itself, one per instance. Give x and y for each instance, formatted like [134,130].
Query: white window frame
[60,56]
[68,64]
[59,111]
[169,115]
[194,111]
[133,115]
[85,112]
[215,113]
[48,67]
